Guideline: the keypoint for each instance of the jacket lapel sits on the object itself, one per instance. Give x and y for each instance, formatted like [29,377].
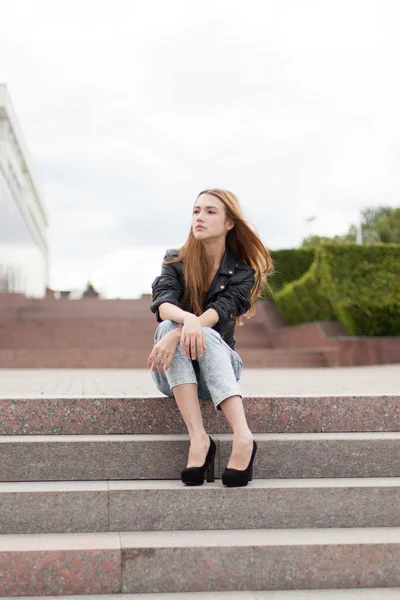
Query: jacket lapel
[225,271]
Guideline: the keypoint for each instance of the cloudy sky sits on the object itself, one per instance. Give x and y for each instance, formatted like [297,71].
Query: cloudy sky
[130,108]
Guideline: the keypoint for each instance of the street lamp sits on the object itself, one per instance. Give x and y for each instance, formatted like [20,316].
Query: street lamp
[359,229]
[310,220]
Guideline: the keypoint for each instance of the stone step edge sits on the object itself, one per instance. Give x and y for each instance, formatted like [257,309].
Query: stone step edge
[30,487]
[183,437]
[198,539]
[156,396]
[318,594]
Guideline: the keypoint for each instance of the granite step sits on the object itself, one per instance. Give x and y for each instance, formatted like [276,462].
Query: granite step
[100,506]
[316,594]
[75,333]
[77,356]
[73,357]
[280,455]
[199,561]
[143,414]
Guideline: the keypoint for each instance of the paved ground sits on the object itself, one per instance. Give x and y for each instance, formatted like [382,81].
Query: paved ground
[381,379]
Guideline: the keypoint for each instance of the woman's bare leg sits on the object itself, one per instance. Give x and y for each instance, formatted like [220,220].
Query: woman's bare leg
[242,446]
[188,403]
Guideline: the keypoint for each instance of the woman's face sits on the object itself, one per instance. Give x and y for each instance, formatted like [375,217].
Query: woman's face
[209,218]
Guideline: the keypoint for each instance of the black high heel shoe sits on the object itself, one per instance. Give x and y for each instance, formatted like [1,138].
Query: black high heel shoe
[238,477]
[195,475]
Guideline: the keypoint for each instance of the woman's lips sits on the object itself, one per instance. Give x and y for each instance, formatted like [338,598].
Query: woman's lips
[199,227]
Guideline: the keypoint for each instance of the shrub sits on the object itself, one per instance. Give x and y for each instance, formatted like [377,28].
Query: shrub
[363,285]
[302,300]
[356,285]
[290,264]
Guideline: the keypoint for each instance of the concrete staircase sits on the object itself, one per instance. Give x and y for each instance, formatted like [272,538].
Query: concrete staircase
[91,501]
[92,333]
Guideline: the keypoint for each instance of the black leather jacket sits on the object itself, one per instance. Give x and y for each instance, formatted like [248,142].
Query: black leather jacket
[229,293]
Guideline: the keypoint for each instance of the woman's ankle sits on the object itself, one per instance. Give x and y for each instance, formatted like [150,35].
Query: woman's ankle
[198,436]
[243,435]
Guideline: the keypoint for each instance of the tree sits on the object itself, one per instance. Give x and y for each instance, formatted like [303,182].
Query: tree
[90,291]
[314,241]
[380,224]
[388,227]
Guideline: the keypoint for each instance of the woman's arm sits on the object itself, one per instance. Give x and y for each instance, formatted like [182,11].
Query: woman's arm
[191,341]
[173,312]
[169,311]
[209,318]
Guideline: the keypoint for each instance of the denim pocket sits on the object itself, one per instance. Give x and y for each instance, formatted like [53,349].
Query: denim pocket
[238,366]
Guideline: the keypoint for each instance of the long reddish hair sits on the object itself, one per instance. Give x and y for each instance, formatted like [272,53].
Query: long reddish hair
[242,242]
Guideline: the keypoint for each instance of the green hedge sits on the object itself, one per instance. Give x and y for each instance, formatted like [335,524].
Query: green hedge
[289,264]
[302,301]
[356,285]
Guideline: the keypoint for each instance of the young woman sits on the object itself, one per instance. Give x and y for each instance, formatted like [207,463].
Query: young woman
[203,290]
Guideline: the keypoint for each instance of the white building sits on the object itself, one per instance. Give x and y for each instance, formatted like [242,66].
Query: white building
[23,220]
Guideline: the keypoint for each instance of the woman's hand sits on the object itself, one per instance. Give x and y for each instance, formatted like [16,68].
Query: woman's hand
[162,354]
[192,332]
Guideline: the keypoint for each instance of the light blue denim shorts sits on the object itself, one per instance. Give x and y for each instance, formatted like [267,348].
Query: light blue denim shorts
[216,373]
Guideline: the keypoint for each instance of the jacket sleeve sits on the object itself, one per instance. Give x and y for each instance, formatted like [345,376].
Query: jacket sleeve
[167,287]
[235,300]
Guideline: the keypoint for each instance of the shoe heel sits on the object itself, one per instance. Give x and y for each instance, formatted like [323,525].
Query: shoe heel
[210,465]
[210,468]
[210,474]
[252,461]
